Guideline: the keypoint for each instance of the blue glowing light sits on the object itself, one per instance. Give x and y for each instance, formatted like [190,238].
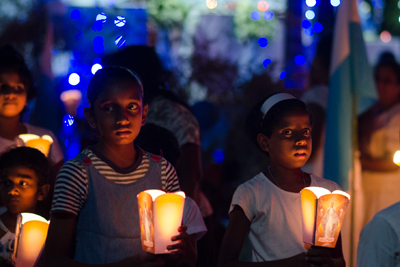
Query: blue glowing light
[306,24]
[96,67]
[120,41]
[68,120]
[255,15]
[267,62]
[101,17]
[310,14]
[74,79]
[299,60]
[218,156]
[268,15]
[318,27]
[311,3]
[309,32]
[79,35]
[22,20]
[120,21]
[75,14]
[282,75]
[98,44]
[97,60]
[335,3]
[97,26]
[377,3]
[262,42]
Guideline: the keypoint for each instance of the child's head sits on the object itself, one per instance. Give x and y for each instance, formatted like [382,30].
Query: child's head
[16,83]
[281,124]
[159,141]
[116,109]
[387,79]
[23,177]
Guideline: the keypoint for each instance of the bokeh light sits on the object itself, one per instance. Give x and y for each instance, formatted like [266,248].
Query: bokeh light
[398,4]
[399,19]
[101,17]
[255,15]
[98,44]
[211,4]
[310,14]
[22,20]
[306,24]
[97,26]
[68,120]
[263,42]
[96,67]
[318,27]
[218,156]
[267,62]
[120,41]
[282,75]
[364,7]
[335,3]
[74,79]
[309,32]
[262,6]
[268,15]
[120,21]
[311,3]
[386,36]
[299,60]
[75,14]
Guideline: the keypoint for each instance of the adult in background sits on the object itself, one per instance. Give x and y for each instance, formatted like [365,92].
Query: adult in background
[378,136]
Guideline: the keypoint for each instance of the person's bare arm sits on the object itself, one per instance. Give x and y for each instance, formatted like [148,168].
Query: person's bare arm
[189,169]
[232,243]
[60,236]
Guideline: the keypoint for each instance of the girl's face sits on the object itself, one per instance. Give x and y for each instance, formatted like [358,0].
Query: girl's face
[118,113]
[12,95]
[290,143]
[388,86]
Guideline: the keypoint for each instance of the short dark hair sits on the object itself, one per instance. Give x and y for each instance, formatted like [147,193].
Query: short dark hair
[107,75]
[11,61]
[26,157]
[257,123]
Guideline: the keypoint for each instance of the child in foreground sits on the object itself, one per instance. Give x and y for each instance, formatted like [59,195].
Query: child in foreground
[95,193]
[23,177]
[268,207]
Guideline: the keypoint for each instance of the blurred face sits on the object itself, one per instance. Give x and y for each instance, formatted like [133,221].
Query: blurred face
[388,86]
[12,95]
[290,142]
[118,113]
[19,189]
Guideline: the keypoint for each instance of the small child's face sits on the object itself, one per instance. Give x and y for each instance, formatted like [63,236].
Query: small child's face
[19,189]
[119,113]
[13,95]
[290,142]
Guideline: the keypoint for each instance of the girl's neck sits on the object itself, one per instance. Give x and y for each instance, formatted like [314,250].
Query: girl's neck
[292,180]
[122,155]
[11,127]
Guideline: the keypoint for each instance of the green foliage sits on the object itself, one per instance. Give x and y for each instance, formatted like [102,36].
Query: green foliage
[168,14]
[246,28]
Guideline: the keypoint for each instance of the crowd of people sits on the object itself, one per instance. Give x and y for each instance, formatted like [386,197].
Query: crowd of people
[147,138]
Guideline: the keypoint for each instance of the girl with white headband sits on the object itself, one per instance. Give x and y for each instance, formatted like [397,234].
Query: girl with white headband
[268,206]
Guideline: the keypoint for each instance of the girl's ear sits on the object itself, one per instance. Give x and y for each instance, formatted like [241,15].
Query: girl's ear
[263,142]
[90,117]
[43,191]
[144,114]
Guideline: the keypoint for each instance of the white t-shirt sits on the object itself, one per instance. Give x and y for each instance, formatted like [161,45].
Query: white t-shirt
[275,216]
[380,239]
[192,219]
[55,154]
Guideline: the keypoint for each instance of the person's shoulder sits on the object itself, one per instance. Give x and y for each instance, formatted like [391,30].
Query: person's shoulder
[255,182]
[391,214]
[325,183]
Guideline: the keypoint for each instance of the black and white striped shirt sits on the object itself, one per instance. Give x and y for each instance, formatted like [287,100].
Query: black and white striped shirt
[71,187]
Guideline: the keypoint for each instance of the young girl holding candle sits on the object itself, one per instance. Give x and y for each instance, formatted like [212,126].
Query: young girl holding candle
[95,193]
[268,207]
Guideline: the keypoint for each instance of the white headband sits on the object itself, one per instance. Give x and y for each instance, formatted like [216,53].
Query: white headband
[271,101]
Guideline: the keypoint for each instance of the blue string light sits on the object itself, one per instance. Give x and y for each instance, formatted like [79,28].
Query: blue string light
[282,75]
[68,120]
[335,3]
[306,24]
[120,41]
[310,14]
[318,27]
[255,15]
[299,60]
[95,68]
[101,17]
[98,44]
[267,62]
[75,14]
[311,3]
[218,156]
[262,42]
[74,79]
[268,15]
[120,21]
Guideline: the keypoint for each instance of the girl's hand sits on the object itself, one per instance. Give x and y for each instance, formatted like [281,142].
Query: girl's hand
[182,237]
[319,256]
[185,252]
[147,260]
